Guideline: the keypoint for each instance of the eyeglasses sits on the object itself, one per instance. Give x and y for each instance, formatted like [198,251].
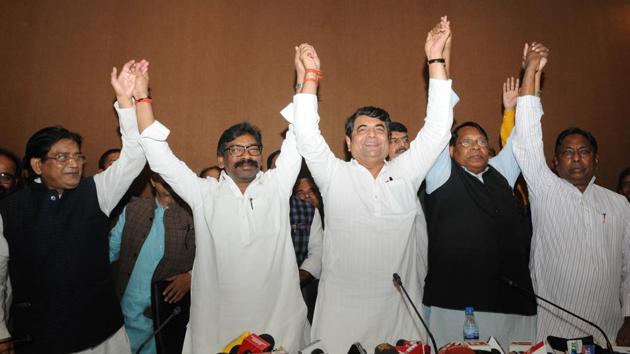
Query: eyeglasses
[583,152]
[481,142]
[239,150]
[6,177]
[404,140]
[64,158]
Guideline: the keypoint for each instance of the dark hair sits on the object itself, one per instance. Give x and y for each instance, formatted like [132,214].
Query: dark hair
[40,143]
[625,173]
[203,172]
[16,161]
[373,112]
[573,130]
[271,157]
[471,124]
[397,127]
[234,132]
[101,160]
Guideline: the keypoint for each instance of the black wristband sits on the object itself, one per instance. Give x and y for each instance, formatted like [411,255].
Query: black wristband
[438,60]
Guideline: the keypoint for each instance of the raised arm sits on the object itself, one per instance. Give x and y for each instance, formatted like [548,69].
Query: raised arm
[114,182]
[434,135]
[153,136]
[527,138]
[623,335]
[310,142]
[289,161]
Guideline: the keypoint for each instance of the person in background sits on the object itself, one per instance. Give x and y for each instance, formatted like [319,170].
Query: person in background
[10,172]
[153,240]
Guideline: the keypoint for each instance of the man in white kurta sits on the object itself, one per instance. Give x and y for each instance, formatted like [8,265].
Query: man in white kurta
[581,239]
[371,230]
[244,277]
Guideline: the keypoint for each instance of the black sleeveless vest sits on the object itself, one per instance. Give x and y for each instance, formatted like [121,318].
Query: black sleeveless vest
[63,292]
[473,243]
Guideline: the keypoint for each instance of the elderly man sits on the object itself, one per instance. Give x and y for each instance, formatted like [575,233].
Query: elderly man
[474,241]
[370,210]
[581,239]
[54,241]
[245,275]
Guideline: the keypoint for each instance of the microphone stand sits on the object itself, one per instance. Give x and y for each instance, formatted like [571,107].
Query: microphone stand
[529,292]
[398,282]
[176,311]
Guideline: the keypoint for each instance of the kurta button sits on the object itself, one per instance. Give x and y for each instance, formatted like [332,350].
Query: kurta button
[53,198]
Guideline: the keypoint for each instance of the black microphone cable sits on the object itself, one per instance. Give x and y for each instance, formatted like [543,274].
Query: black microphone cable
[398,282]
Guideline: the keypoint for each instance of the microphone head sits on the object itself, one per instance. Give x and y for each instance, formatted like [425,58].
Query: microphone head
[317,351]
[357,348]
[397,279]
[385,348]
[269,339]
[235,349]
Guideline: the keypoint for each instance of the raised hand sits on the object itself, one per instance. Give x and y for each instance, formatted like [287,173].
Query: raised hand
[124,83]
[308,56]
[437,38]
[534,59]
[535,56]
[310,62]
[510,93]
[141,89]
[300,70]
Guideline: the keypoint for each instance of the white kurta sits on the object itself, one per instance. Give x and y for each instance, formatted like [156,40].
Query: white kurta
[245,275]
[374,228]
[581,241]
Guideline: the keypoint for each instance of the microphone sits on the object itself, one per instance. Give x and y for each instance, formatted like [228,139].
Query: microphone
[398,282]
[255,344]
[176,311]
[385,348]
[530,292]
[357,348]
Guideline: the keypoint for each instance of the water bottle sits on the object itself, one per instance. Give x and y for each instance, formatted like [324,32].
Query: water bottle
[471,330]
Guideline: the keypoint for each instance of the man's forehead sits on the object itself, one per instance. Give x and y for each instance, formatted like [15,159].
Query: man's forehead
[398,134]
[575,140]
[244,139]
[65,145]
[368,121]
[7,164]
[469,132]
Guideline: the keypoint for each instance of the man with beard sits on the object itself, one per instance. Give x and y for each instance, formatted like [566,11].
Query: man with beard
[581,240]
[245,275]
[371,210]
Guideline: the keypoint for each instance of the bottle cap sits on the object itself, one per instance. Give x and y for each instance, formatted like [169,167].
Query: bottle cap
[469,310]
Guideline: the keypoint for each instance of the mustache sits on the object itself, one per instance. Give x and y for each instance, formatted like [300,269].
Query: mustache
[246,161]
[401,149]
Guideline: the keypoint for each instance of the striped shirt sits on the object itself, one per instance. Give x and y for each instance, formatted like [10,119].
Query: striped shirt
[581,241]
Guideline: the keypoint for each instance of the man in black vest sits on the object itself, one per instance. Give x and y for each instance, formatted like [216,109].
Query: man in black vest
[473,242]
[55,232]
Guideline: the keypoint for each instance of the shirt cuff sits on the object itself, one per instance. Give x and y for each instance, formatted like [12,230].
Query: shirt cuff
[127,120]
[156,131]
[311,266]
